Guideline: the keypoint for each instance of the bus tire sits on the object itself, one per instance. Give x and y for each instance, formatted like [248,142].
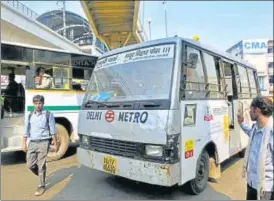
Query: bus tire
[62,144]
[199,183]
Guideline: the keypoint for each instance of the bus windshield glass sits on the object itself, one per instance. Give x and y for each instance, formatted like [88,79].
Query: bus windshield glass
[141,74]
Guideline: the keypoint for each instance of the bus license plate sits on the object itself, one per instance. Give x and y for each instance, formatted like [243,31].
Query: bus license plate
[109,165]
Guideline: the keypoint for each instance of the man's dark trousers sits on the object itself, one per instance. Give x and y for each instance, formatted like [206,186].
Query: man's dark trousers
[252,194]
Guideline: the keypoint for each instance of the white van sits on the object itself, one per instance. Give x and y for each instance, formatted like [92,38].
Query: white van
[164,112]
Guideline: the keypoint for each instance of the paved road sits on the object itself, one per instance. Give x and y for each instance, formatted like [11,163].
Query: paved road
[69,181]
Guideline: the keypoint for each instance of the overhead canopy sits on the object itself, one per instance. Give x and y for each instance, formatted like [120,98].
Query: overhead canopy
[114,22]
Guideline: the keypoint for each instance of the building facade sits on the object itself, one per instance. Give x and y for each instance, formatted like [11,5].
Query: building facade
[258,52]
[75,28]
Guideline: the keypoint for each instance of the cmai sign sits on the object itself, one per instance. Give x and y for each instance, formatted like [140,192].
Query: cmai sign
[258,46]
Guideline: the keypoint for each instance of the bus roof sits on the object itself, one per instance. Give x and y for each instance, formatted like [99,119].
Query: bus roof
[179,39]
[44,48]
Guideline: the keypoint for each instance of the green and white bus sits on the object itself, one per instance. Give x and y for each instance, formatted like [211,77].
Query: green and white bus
[68,74]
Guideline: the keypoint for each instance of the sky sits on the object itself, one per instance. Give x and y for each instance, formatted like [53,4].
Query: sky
[218,23]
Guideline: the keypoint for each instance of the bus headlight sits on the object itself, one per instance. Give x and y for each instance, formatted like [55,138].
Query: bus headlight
[154,150]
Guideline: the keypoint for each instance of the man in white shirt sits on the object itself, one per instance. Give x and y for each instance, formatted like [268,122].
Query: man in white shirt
[44,80]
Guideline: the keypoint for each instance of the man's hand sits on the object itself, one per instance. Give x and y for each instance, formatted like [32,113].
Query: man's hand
[24,148]
[24,145]
[54,143]
[54,147]
[240,118]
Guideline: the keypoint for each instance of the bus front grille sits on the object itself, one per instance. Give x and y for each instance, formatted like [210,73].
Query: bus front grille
[114,147]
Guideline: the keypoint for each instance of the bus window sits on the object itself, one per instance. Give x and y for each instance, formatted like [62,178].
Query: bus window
[43,77]
[190,114]
[12,91]
[244,85]
[252,82]
[60,77]
[51,77]
[80,78]
[230,74]
[237,83]
[213,76]
[228,78]
[194,76]
[50,57]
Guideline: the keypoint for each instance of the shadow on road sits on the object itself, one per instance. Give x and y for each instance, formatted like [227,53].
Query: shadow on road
[19,157]
[87,184]
[148,191]
[13,158]
[228,163]
[59,176]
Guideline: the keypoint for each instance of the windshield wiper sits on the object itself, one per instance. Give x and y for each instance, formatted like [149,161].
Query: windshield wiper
[87,104]
[159,104]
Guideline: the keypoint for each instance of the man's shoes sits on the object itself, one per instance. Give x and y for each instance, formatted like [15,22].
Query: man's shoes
[40,191]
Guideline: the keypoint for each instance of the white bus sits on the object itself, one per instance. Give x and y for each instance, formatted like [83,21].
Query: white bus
[69,74]
[164,112]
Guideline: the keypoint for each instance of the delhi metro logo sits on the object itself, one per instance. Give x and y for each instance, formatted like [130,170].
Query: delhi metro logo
[109,116]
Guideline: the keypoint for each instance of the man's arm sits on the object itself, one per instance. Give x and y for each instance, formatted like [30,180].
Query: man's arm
[27,127]
[45,83]
[52,130]
[272,146]
[247,130]
[26,134]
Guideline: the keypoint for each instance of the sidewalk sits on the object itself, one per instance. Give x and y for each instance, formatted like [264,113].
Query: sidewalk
[231,182]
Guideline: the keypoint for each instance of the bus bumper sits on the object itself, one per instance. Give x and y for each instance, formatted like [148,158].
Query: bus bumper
[11,138]
[143,171]
[11,143]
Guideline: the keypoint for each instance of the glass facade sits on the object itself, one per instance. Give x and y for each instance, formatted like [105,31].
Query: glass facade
[263,61]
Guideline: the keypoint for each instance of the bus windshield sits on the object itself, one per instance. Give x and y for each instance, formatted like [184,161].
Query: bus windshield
[142,74]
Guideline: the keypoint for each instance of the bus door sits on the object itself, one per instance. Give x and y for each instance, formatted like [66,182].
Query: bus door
[192,90]
[229,69]
[13,104]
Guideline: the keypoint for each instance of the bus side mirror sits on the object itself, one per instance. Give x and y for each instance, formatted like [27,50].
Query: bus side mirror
[192,60]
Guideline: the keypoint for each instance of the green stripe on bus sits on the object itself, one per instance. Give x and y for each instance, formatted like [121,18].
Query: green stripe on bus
[57,108]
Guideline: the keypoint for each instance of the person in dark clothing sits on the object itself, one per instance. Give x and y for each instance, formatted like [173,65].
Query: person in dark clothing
[14,95]
[11,89]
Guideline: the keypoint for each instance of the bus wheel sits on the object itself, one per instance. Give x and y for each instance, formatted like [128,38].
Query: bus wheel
[62,144]
[198,184]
